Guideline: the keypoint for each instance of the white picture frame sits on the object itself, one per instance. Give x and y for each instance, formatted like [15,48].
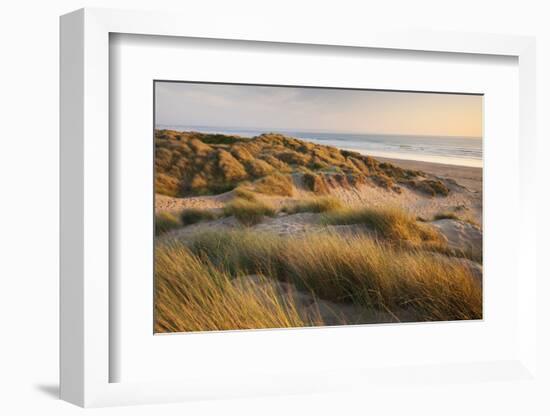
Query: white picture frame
[86,356]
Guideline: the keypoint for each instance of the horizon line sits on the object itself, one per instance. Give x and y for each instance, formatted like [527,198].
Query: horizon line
[274,130]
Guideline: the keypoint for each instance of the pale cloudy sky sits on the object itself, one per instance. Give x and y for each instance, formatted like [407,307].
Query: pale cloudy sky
[316,109]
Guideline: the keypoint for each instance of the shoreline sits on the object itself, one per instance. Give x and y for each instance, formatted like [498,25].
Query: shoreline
[424,162]
[438,160]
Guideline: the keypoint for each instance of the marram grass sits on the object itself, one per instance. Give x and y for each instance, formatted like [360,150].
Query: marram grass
[390,223]
[193,295]
[194,290]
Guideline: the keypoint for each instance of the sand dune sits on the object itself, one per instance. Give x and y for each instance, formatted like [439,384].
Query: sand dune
[464,200]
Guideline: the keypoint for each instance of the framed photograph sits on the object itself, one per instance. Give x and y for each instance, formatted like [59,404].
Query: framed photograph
[280,213]
[358,207]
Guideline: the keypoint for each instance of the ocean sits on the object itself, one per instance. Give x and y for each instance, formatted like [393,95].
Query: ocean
[462,151]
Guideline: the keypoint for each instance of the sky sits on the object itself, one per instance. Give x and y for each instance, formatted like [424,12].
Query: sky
[317,110]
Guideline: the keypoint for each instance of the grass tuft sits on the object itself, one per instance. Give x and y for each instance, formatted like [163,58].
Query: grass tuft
[391,223]
[316,205]
[428,187]
[465,217]
[275,184]
[245,193]
[193,215]
[383,181]
[192,295]
[249,212]
[446,216]
[315,183]
[165,222]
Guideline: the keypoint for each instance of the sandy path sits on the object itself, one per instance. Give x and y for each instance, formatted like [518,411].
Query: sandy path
[169,203]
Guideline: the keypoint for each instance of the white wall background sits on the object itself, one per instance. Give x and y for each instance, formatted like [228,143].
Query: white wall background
[29,57]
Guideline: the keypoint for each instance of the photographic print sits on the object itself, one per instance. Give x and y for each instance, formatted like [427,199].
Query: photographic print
[289,206]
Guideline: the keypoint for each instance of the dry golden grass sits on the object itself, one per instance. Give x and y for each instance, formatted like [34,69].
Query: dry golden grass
[258,167]
[190,216]
[428,186]
[389,223]
[166,184]
[229,168]
[165,222]
[244,192]
[315,183]
[400,228]
[192,295]
[316,205]
[409,284]
[191,163]
[446,216]
[464,217]
[249,211]
[275,184]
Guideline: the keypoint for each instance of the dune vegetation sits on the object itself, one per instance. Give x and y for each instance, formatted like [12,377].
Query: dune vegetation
[390,223]
[193,295]
[194,289]
[165,222]
[190,216]
[249,211]
[446,216]
[316,205]
[274,184]
[192,163]
[456,216]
